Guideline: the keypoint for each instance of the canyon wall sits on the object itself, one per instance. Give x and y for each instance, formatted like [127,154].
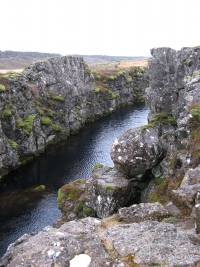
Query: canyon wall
[160,162]
[48,102]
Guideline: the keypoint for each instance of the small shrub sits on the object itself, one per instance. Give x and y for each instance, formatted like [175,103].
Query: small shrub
[45,121]
[111,78]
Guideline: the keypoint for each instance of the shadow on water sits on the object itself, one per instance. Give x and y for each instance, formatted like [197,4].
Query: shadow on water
[24,210]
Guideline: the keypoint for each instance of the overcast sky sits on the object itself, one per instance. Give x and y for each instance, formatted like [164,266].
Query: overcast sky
[98,27]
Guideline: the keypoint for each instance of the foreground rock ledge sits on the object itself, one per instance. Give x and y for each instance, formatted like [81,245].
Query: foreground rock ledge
[147,243]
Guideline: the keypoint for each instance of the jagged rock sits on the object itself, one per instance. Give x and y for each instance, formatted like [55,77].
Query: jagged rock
[185,195]
[49,101]
[137,150]
[108,190]
[99,196]
[172,209]
[145,244]
[143,212]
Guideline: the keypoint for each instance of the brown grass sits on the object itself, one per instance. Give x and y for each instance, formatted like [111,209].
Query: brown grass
[113,67]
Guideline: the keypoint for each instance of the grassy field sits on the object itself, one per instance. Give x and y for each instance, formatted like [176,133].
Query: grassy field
[113,67]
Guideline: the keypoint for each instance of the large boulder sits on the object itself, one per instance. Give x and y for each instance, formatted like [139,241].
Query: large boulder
[137,150]
[108,190]
[100,196]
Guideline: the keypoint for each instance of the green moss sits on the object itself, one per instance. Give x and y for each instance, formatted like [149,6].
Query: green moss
[73,193]
[40,111]
[2,88]
[57,127]
[11,75]
[96,166]
[187,77]
[158,181]
[97,90]
[28,124]
[189,62]
[19,123]
[61,197]
[121,73]
[50,112]
[87,210]
[109,187]
[129,79]
[89,103]
[13,144]
[58,98]
[45,121]
[87,71]
[195,73]
[39,188]
[79,207]
[195,113]
[111,78]
[7,113]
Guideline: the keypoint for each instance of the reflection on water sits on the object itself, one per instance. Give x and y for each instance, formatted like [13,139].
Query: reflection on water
[24,210]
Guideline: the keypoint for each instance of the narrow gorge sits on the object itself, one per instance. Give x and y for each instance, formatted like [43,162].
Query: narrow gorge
[52,100]
[146,210]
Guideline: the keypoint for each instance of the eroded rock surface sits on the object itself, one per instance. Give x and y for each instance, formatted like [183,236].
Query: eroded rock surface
[147,243]
[143,212]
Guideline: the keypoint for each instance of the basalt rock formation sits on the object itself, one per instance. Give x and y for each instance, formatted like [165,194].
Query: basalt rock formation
[49,101]
[160,162]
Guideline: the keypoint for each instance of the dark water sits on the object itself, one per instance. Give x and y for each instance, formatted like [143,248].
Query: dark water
[22,210]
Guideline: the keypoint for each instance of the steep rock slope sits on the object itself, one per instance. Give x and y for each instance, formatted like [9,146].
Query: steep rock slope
[46,103]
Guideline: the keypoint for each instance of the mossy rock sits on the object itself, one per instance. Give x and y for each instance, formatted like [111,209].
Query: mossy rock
[61,197]
[57,127]
[58,98]
[96,166]
[196,113]
[39,188]
[109,187]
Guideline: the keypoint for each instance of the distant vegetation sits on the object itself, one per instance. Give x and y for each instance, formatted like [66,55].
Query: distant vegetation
[12,60]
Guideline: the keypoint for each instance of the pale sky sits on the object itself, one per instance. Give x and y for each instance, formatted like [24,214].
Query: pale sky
[98,27]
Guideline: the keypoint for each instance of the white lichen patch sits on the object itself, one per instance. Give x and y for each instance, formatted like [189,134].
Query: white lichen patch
[119,158]
[99,199]
[50,253]
[115,142]
[82,260]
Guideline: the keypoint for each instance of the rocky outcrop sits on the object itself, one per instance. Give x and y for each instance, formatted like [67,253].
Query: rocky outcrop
[46,103]
[143,212]
[100,196]
[88,243]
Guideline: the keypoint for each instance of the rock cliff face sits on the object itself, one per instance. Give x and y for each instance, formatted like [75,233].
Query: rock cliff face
[160,162]
[46,103]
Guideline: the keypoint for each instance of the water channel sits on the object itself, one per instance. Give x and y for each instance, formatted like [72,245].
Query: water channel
[24,210]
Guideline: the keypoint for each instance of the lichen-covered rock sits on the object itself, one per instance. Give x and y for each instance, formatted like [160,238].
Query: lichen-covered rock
[153,243]
[49,101]
[108,189]
[137,150]
[148,243]
[143,212]
[100,196]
